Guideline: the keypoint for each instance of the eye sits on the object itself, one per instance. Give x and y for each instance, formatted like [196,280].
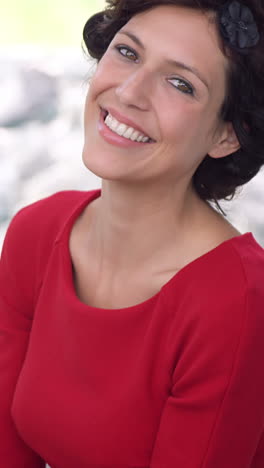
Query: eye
[178,83]
[182,85]
[127,52]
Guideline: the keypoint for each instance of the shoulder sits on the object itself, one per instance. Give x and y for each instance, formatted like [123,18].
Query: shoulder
[53,208]
[234,267]
[34,229]
[45,217]
[222,290]
[238,261]
[30,238]
[216,308]
[250,258]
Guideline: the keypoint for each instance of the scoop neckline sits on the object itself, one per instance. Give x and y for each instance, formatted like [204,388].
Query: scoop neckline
[65,238]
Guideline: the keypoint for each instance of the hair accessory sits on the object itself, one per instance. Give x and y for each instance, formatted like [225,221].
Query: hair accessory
[238,26]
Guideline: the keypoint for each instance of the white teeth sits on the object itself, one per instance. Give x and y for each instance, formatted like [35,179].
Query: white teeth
[125,131]
[135,135]
[121,129]
[128,132]
[112,123]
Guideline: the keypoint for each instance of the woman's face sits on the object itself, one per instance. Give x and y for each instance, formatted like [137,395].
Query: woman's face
[164,75]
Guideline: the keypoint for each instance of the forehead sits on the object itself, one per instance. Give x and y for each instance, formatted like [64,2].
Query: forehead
[183,34]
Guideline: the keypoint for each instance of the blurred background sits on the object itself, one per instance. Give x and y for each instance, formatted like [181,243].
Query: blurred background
[43,84]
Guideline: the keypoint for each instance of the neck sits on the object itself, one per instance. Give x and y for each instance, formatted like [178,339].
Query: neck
[133,225]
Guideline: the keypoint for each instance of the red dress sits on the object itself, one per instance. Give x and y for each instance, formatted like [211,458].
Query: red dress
[174,382]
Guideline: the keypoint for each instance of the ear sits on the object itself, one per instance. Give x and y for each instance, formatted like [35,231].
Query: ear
[226,142]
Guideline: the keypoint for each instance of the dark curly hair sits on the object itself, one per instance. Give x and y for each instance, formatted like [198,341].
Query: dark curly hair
[214,179]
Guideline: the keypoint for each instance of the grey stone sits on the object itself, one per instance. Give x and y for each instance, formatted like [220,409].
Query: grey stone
[28,94]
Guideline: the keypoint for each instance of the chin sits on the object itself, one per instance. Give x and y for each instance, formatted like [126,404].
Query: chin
[104,164]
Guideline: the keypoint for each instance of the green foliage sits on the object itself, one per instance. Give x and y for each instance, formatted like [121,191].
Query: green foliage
[48,22]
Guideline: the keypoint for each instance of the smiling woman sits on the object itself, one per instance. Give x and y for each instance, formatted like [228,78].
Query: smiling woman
[172,85]
[134,336]
[215,178]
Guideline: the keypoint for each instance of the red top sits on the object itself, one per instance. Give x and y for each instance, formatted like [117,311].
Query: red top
[174,382]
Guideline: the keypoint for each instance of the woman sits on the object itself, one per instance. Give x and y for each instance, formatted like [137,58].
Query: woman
[132,319]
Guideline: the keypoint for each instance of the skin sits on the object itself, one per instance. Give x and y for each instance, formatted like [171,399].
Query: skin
[143,225]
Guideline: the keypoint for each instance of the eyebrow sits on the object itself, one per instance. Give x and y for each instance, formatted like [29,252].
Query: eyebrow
[174,63]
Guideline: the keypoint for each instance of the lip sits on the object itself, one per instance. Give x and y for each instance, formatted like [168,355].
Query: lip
[123,119]
[115,139]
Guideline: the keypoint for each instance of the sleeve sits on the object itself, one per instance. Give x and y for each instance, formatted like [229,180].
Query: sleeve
[214,414]
[16,306]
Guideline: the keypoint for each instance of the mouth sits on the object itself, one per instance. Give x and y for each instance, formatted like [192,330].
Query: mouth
[124,129]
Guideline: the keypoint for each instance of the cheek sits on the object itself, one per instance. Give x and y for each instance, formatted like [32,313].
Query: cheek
[103,78]
[186,132]
[181,122]
[96,86]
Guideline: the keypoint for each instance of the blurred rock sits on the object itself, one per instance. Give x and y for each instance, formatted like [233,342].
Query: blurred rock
[41,136]
[26,94]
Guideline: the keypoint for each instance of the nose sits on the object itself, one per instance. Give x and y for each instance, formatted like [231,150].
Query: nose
[135,90]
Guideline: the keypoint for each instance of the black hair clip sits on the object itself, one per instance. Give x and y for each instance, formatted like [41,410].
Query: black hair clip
[238,26]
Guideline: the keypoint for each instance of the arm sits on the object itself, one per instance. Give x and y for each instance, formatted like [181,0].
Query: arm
[214,415]
[16,310]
